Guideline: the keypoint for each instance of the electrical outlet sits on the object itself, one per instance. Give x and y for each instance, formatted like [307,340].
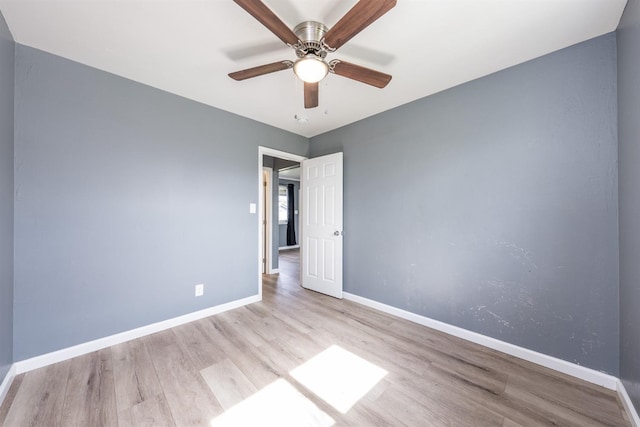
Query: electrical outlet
[199,290]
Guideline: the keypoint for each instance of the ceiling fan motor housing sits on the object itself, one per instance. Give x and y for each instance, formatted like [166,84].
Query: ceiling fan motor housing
[310,35]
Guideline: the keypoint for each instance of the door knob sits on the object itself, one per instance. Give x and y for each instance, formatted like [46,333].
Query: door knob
[336,233]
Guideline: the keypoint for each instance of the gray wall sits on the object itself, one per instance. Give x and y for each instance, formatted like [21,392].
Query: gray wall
[6,198]
[126,198]
[629,193]
[296,205]
[492,206]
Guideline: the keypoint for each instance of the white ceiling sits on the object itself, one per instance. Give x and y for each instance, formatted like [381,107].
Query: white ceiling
[187,47]
[292,174]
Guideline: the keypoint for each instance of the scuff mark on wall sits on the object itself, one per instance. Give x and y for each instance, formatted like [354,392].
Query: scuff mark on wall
[496,318]
[521,254]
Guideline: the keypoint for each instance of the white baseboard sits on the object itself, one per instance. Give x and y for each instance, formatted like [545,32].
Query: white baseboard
[284,248]
[586,374]
[628,404]
[6,383]
[91,346]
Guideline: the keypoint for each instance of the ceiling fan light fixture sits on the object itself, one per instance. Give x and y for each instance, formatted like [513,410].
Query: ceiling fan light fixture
[311,69]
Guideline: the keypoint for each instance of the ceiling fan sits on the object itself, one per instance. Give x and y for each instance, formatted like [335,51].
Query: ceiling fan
[312,41]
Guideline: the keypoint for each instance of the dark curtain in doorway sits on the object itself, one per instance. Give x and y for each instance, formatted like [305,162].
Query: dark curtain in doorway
[291,228]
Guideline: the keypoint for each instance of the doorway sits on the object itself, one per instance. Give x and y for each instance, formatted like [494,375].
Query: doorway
[278,219]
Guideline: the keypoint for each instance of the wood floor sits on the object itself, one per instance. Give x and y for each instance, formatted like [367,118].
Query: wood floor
[302,359]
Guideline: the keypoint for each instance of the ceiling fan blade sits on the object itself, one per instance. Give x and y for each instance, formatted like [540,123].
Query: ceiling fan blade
[266,17]
[363,14]
[361,74]
[261,70]
[310,95]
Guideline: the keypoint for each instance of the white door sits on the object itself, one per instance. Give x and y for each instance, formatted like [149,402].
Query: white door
[321,183]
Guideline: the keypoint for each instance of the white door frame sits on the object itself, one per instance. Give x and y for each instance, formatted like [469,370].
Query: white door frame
[266,151]
[268,221]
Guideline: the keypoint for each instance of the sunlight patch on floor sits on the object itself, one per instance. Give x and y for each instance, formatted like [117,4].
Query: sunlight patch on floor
[338,377]
[278,404]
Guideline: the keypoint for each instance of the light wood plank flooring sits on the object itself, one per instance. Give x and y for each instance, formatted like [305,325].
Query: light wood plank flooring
[303,359]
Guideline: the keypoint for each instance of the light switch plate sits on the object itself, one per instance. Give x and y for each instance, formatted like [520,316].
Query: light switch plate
[252,208]
[199,290]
